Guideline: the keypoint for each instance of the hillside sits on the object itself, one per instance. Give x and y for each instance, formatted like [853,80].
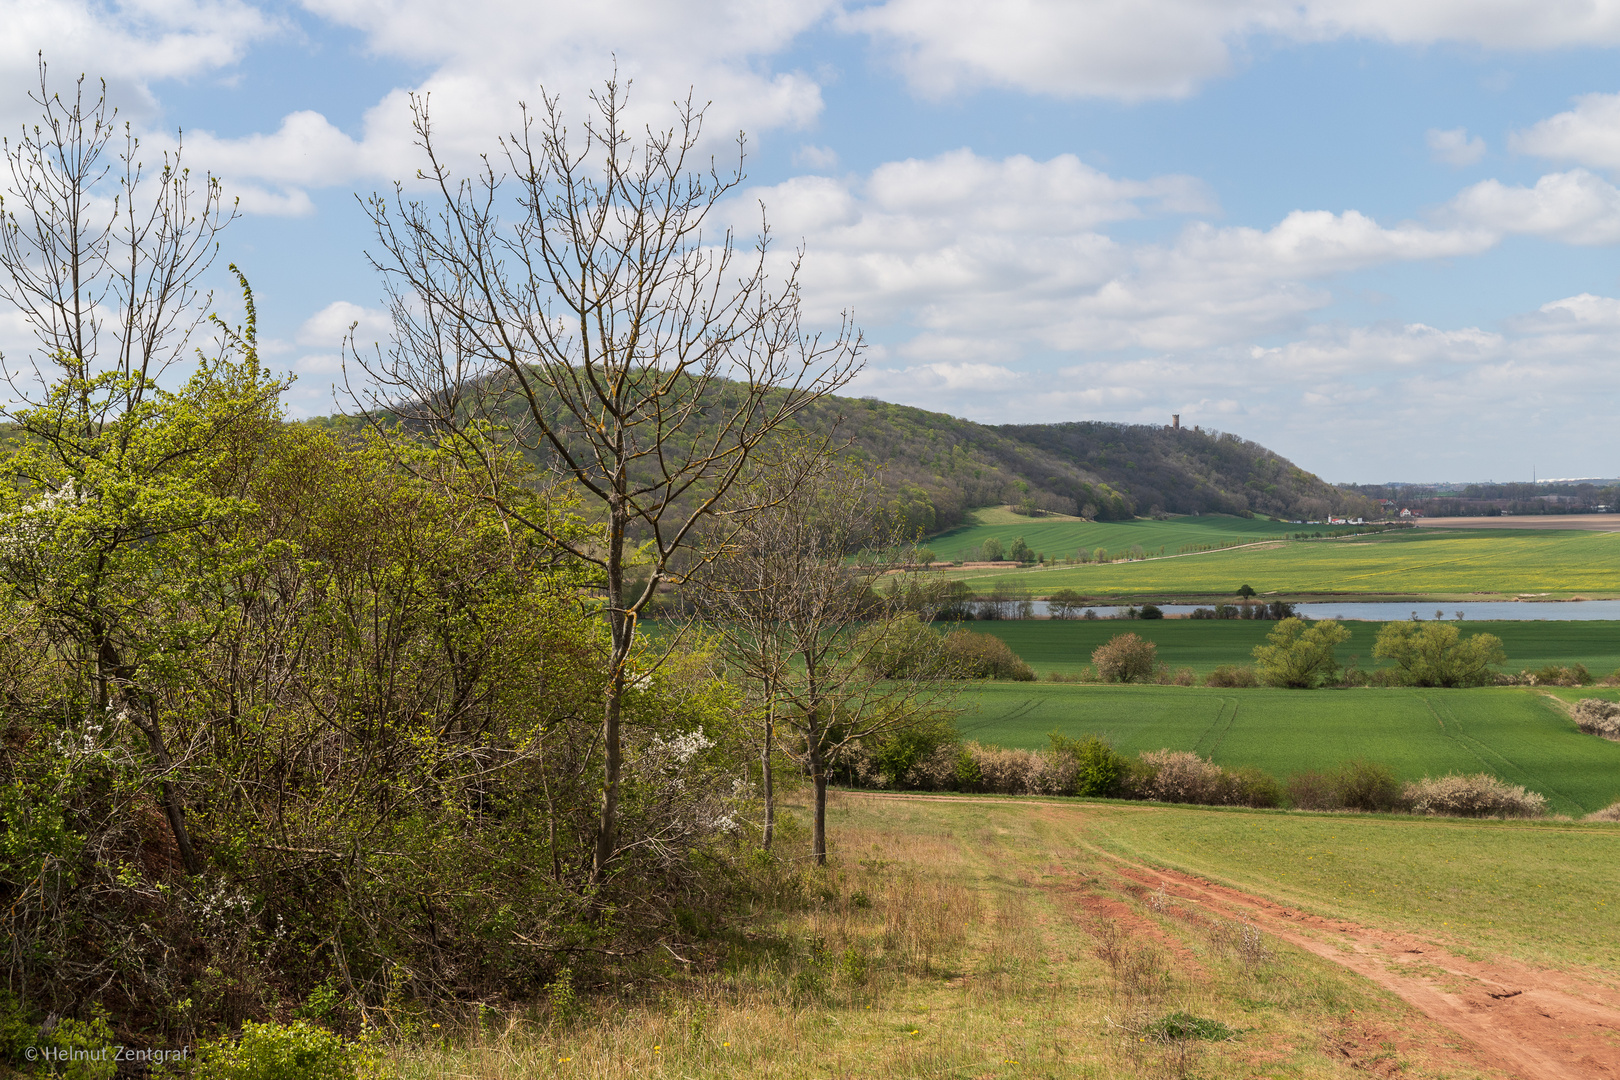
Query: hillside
[939,467]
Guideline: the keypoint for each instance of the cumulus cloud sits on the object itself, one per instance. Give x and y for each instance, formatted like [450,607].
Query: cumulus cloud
[966,248]
[810,156]
[1454,147]
[1575,207]
[129,44]
[328,327]
[1588,134]
[1169,48]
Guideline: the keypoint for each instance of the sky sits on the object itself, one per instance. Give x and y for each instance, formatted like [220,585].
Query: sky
[1377,236]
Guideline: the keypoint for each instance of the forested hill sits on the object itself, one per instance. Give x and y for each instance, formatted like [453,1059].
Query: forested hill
[939,467]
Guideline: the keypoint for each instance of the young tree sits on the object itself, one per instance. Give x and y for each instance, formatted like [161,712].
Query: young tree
[604,329]
[1125,658]
[103,260]
[1299,655]
[794,599]
[1436,653]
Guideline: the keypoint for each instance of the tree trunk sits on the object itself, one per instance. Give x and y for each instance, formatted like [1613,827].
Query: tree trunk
[173,809]
[623,629]
[767,779]
[818,842]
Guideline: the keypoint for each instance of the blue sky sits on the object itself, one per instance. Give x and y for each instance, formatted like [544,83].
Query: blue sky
[1377,236]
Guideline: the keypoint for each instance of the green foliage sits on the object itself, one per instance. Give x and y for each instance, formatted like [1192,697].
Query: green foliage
[1125,658]
[1436,654]
[1184,1025]
[296,1051]
[968,654]
[898,752]
[1416,732]
[991,550]
[1099,768]
[1298,655]
[1019,551]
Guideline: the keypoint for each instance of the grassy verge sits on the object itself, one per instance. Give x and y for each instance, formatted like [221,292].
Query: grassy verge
[1065,645]
[1461,564]
[1545,892]
[979,939]
[1517,734]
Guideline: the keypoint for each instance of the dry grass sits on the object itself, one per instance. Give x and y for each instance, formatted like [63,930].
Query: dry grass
[947,940]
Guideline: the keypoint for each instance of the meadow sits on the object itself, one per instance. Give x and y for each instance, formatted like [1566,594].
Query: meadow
[1473,563]
[1520,735]
[994,938]
[1064,646]
[1062,537]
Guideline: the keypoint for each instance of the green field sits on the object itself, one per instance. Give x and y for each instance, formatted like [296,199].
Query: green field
[1463,564]
[1065,645]
[1061,539]
[1517,734]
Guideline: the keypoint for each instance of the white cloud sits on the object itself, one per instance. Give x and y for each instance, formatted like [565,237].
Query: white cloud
[328,327]
[1575,207]
[1588,134]
[1454,147]
[129,44]
[1139,49]
[486,58]
[970,249]
[820,158]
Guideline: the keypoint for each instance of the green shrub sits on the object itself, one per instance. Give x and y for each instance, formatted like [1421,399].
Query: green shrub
[1436,654]
[296,1051]
[1366,785]
[971,655]
[1299,655]
[1126,658]
[78,1050]
[1230,676]
[968,775]
[1098,767]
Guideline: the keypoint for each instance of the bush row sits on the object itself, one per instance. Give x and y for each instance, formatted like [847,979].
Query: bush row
[1091,767]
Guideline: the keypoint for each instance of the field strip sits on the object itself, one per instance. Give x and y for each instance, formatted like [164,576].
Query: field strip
[1537,1023]
[1151,558]
[1083,806]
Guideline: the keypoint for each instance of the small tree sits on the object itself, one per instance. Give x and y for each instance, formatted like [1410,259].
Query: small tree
[1245,590]
[992,551]
[1126,658]
[1436,653]
[641,356]
[793,596]
[1020,552]
[1299,655]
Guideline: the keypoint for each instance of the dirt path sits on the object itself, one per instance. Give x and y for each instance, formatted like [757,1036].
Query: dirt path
[1536,1024]
[1531,1023]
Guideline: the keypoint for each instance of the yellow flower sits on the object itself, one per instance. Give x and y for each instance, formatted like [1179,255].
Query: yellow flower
[725,1044]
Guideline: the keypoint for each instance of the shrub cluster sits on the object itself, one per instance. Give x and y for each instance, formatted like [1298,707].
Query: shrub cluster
[1598,717]
[1482,795]
[1092,767]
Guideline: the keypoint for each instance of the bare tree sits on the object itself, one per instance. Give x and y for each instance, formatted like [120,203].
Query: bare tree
[108,281]
[604,331]
[797,604]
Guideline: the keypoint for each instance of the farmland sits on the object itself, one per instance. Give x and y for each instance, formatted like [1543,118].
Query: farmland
[1060,538]
[1064,645]
[1517,734]
[1475,563]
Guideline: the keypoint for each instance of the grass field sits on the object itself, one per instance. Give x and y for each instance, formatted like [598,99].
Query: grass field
[1061,538]
[1065,645]
[962,939]
[1516,734]
[1467,563]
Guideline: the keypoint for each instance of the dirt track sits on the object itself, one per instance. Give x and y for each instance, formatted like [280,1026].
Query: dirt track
[1536,1024]
[1531,1023]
